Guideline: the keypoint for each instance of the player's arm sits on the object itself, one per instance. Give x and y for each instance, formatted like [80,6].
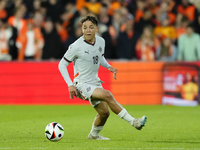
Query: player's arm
[105,64]
[64,72]
[69,56]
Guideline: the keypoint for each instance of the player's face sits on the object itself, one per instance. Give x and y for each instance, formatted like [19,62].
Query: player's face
[89,29]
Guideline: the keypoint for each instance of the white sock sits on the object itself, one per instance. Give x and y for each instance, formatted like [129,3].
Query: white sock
[126,116]
[95,130]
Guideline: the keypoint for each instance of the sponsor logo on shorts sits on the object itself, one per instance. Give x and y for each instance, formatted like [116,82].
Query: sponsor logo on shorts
[88,89]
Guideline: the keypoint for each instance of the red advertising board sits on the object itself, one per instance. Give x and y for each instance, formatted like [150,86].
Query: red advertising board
[37,83]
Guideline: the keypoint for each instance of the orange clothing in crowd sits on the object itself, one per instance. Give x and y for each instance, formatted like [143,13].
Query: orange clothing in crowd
[168,31]
[171,6]
[22,41]
[21,25]
[80,4]
[139,14]
[114,6]
[3,14]
[153,9]
[93,7]
[189,11]
[67,21]
[63,34]
[180,31]
[146,52]
[172,18]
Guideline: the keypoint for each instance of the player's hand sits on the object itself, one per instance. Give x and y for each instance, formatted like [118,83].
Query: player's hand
[72,92]
[114,71]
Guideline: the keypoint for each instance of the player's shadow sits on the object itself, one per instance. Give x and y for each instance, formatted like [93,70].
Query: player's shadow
[175,141]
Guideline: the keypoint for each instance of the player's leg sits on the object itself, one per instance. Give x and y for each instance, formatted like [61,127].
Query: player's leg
[99,121]
[102,113]
[106,96]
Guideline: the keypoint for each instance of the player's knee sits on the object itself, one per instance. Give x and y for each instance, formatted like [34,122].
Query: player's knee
[105,114]
[108,95]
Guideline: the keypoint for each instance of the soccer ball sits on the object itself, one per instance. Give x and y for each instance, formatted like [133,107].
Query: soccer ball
[54,131]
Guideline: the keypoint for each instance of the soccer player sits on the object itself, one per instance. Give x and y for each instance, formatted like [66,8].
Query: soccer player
[87,53]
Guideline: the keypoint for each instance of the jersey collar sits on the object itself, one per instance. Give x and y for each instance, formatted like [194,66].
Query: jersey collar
[89,42]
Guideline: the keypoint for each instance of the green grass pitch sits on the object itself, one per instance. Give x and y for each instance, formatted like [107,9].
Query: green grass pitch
[167,127]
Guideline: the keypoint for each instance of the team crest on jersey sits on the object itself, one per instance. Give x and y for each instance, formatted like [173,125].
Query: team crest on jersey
[100,49]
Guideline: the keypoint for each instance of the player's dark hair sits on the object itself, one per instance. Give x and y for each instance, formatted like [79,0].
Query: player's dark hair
[91,18]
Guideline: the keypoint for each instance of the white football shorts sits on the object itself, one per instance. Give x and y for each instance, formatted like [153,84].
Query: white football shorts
[85,91]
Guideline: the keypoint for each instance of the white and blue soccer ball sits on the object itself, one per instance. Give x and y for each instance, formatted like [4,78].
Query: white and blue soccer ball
[54,131]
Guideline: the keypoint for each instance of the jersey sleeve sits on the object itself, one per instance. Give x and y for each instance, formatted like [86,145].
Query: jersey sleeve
[104,63]
[64,72]
[104,43]
[71,54]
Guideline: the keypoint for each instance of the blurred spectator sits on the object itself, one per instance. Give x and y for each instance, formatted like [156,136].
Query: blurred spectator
[187,9]
[110,46]
[93,6]
[127,39]
[8,35]
[34,6]
[17,20]
[61,31]
[112,6]
[131,6]
[12,5]
[53,48]
[54,9]
[3,12]
[68,17]
[181,27]
[147,45]
[111,35]
[73,37]
[104,18]
[4,48]
[18,3]
[165,13]
[157,18]
[172,6]
[30,43]
[166,51]
[165,30]
[82,12]
[124,12]
[80,4]
[141,5]
[189,45]
[146,20]
[153,6]
[116,25]
[196,3]
[110,26]
[38,19]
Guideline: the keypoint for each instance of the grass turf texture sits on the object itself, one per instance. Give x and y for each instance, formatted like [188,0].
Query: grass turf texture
[167,127]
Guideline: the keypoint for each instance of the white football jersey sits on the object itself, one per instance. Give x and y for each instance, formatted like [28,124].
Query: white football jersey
[86,58]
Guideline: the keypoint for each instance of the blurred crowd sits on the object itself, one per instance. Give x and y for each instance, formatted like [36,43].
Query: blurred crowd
[146,30]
